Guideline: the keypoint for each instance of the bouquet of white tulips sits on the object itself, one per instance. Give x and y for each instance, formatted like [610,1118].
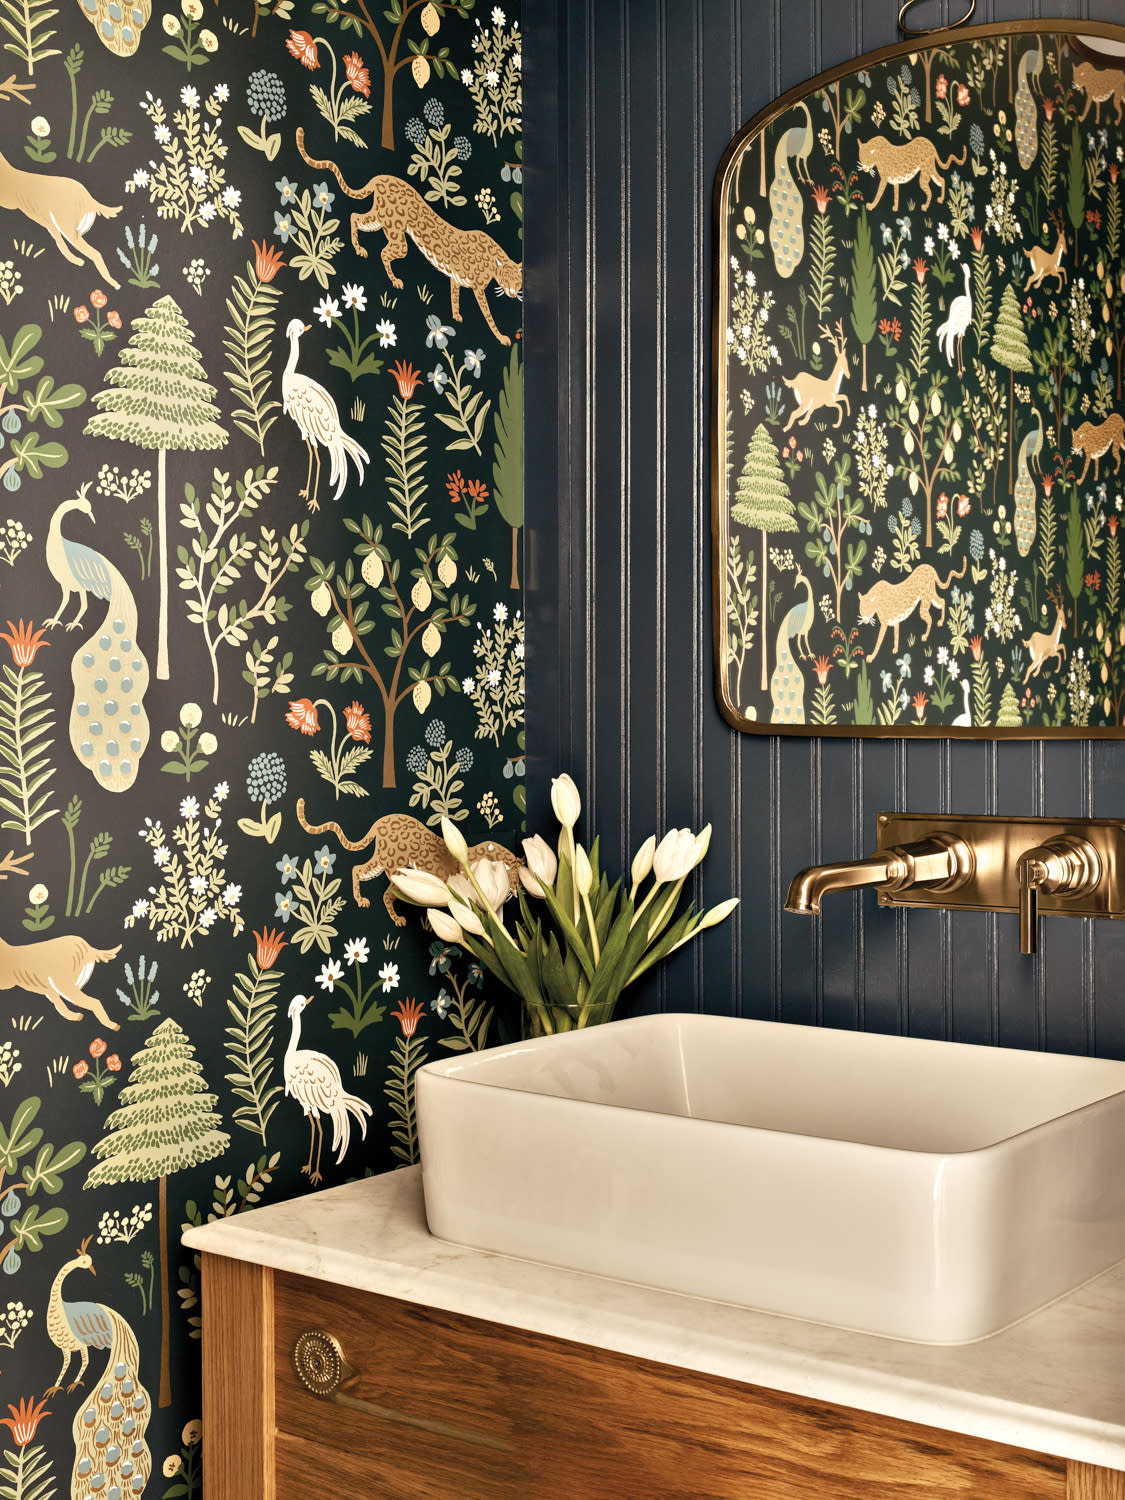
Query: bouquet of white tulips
[569,960]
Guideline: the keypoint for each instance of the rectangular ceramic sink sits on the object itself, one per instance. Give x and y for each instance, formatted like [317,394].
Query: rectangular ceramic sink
[923,1190]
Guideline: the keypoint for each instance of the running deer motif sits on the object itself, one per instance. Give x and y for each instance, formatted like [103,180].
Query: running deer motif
[1047,647]
[62,206]
[1047,263]
[814,391]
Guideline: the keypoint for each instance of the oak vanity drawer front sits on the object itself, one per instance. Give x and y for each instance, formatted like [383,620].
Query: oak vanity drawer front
[454,1408]
[413,1405]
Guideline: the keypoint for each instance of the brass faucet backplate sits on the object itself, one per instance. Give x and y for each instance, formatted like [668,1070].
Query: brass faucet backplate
[997,844]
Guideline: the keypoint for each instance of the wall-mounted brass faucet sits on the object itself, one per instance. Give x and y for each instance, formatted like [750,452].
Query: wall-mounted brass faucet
[1060,867]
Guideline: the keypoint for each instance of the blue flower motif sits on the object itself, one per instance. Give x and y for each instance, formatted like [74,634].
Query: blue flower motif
[438,378]
[288,868]
[323,198]
[282,226]
[473,359]
[324,859]
[439,333]
[284,901]
[442,1004]
[288,191]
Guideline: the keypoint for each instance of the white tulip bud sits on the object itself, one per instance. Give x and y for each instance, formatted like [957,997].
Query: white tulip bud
[675,855]
[420,886]
[492,877]
[444,926]
[463,913]
[642,860]
[583,874]
[717,914]
[455,841]
[565,801]
[541,863]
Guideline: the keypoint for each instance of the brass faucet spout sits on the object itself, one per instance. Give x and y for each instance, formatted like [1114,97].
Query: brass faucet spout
[940,862]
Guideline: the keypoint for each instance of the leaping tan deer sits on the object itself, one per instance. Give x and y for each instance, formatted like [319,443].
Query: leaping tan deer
[814,391]
[61,205]
[1045,647]
[1048,262]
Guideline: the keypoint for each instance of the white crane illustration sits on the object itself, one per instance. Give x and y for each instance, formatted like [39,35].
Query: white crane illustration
[952,331]
[314,411]
[313,1079]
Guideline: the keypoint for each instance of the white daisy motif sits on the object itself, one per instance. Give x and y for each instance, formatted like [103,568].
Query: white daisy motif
[387,335]
[232,894]
[162,134]
[232,197]
[207,211]
[189,808]
[198,885]
[329,974]
[161,855]
[354,296]
[500,613]
[189,96]
[221,93]
[466,77]
[468,686]
[208,918]
[140,907]
[388,974]
[356,952]
[327,309]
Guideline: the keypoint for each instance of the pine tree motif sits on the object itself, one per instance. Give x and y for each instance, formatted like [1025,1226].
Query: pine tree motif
[863,289]
[159,399]
[164,1123]
[1010,348]
[762,502]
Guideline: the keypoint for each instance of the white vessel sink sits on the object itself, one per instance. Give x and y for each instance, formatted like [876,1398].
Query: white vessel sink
[924,1190]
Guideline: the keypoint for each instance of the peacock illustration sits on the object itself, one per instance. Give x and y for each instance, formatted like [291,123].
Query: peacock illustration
[787,684]
[108,724]
[1024,490]
[111,1457]
[787,234]
[1027,132]
[313,1079]
[118,23]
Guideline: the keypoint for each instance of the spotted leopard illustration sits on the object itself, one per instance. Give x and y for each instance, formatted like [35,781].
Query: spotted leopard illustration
[898,163]
[469,257]
[401,843]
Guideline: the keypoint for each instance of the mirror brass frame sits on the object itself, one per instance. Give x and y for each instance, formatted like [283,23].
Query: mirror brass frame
[918,418]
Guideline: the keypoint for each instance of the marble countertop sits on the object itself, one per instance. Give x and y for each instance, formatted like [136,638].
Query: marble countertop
[1054,1383]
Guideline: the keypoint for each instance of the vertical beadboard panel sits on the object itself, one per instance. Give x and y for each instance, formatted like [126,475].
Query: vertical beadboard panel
[628,110]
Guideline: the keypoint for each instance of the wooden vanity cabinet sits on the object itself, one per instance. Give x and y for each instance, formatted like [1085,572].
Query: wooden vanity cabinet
[432,1405]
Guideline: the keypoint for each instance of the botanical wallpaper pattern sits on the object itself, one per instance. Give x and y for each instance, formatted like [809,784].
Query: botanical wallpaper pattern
[261,588]
[923,425]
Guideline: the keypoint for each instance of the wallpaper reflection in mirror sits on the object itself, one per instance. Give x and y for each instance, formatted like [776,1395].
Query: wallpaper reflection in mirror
[920,315]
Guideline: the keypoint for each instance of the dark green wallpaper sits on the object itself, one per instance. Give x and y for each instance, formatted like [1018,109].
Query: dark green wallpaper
[260,566]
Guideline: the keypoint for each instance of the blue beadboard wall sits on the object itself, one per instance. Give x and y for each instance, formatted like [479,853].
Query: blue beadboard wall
[628,110]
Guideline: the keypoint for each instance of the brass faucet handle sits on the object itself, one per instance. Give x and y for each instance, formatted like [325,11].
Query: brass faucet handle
[1065,866]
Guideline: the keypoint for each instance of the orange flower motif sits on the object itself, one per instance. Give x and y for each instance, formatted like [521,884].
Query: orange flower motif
[964,505]
[1112,524]
[942,508]
[920,269]
[820,198]
[408,1015]
[455,485]
[97,1047]
[98,298]
[920,702]
[270,944]
[976,645]
[358,721]
[357,74]
[408,378]
[113,318]
[476,489]
[303,48]
[302,716]
[25,641]
[822,666]
[113,1063]
[82,314]
[977,237]
[267,260]
[25,1419]
[81,1068]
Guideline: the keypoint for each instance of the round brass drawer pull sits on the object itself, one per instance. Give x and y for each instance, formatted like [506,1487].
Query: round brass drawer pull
[319,1362]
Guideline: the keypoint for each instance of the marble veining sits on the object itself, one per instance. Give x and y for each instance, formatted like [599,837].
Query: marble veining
[1053,1383]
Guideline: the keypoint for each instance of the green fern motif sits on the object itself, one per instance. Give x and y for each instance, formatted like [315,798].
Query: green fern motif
[405,447]
[25,767]
[24,21]
[249,335]
[822,260]
[27,1475]
[982,693]
[249,1047]
[407,1056]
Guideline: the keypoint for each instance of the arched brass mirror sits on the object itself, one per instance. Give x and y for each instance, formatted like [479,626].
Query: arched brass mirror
[919,428]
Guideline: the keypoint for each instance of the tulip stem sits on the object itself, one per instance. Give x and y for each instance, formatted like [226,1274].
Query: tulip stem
[593,930]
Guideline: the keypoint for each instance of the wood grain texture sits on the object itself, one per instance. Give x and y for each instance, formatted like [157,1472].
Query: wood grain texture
[1085,1482]
[585,1422]
[238,1380]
